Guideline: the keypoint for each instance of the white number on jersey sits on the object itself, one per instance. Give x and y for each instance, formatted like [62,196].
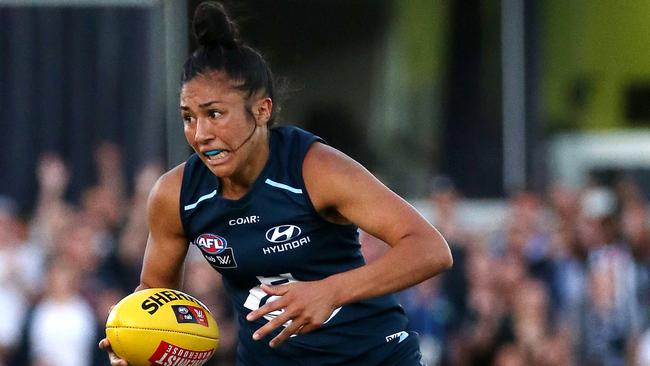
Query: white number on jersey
[257,297]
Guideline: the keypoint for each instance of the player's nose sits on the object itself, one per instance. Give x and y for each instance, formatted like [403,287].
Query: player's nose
[204,131]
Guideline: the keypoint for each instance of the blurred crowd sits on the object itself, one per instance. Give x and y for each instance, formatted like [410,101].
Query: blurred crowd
[564,280]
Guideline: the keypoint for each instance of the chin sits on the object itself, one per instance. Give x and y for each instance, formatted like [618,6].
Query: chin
[220,171]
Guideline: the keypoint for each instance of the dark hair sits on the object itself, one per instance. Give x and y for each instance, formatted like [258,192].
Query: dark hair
[220,49]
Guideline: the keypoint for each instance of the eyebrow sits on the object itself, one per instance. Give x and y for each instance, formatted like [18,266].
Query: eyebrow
[202,105]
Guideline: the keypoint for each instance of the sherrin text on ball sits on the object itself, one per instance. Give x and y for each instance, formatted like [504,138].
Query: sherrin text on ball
[160,326]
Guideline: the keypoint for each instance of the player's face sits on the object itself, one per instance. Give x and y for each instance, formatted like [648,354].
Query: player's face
[218,124]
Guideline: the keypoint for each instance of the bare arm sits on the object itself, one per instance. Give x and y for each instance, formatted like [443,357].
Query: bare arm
[166,244]
[342,191]
[338,184]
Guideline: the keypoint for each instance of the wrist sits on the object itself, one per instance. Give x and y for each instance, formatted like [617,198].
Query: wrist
[341,293]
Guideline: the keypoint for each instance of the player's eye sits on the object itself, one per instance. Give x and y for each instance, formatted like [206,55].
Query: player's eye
[215,114]
[186,118]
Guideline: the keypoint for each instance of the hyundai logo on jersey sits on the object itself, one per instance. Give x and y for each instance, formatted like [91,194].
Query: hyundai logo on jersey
[282,233]
[211,244]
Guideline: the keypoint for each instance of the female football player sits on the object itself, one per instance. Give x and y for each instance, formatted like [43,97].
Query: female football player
[276,211]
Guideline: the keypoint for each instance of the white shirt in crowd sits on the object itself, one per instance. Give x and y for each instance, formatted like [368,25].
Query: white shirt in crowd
[63,332]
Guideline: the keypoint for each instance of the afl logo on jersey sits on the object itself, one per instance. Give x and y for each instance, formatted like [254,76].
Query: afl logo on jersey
[282,233]
[211,244]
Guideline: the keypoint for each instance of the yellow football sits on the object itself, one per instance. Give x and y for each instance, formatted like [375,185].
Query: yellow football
[161,326]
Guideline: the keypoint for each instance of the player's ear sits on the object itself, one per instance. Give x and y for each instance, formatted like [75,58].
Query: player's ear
[263,109]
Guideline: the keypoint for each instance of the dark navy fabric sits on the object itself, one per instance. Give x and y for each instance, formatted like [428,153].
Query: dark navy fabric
[273,235]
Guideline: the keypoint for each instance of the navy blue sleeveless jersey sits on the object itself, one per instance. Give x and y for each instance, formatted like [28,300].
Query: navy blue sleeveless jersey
[273,235]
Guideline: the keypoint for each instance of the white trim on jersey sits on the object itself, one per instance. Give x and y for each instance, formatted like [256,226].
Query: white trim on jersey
[283,186]
[202,198]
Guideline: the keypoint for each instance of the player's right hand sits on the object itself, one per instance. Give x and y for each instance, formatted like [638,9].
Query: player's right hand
[105,345]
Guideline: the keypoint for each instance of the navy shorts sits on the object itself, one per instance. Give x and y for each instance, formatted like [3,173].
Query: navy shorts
[407,353]
[404,351]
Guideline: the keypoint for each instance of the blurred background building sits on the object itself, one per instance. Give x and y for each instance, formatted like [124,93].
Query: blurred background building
[519,128]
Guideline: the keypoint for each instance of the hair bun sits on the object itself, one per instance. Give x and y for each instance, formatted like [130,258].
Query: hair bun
[213,27]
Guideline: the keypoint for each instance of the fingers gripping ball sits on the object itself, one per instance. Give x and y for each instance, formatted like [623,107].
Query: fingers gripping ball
[160,326]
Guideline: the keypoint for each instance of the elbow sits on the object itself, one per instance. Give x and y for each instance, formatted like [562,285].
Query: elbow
[448,261]
[431,256]
[442,260]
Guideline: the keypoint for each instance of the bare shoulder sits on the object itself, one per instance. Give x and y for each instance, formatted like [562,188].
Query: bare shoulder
[321,156]
[322,167]
[168,186]
[342,190]
[332,178]
[164,198]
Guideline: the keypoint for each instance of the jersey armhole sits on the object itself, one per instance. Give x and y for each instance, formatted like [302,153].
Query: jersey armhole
[185,186]
[302,178]
[304,188]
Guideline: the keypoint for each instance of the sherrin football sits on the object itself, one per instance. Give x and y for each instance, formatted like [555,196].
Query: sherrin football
[161,326]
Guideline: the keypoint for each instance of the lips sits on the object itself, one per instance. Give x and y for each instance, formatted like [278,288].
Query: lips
[215,155]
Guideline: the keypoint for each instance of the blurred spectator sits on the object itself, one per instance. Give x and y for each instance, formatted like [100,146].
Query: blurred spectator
[634,222]
[563,202]
[428,312]
[612,313]
[509,355]
[569,257]
[643,351]
[105,203]
[527,237]
[13,297]
[532,327]
[636,232]
[443,199]
[81,243]
[62,330]
[486,325]
[52,211]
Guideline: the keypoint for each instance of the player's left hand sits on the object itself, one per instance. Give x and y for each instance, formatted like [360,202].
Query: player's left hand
[306,304]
